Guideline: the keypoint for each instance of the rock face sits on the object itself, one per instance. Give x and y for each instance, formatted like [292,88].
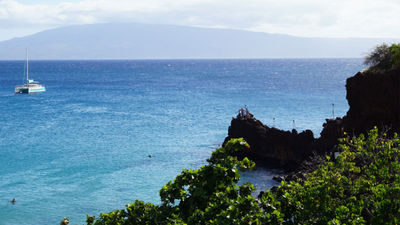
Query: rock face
[270,146]
[374,100]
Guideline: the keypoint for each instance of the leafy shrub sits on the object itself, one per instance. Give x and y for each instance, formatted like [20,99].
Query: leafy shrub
[360,186]
[383,57]
[395,52]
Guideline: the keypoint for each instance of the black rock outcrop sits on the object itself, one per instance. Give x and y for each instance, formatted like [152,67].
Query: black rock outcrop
[374,100]
[271,146]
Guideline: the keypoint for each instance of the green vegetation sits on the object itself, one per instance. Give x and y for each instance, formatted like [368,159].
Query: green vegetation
[360,186]
[384,57]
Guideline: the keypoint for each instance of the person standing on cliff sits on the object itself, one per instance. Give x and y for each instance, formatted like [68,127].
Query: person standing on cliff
[241,113]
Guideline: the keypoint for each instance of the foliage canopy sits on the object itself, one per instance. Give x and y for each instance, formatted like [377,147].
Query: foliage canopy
[384,57]
[360,186]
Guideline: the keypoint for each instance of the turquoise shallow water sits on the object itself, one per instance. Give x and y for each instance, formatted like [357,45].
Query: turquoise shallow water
[82,146]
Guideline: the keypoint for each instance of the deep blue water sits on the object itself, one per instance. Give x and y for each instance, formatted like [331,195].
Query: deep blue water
[82,146]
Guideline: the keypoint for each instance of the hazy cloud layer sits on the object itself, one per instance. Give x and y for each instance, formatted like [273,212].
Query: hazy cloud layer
[312,18]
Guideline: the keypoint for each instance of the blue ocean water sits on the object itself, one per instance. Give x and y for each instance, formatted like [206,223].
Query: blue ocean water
[82,146]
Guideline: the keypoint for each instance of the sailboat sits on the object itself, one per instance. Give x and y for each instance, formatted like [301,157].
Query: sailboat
[30,86]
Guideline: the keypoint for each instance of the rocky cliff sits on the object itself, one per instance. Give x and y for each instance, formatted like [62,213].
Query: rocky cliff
[271,146]
[374,100]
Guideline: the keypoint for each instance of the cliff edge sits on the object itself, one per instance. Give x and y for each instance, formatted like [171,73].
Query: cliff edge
[374,100]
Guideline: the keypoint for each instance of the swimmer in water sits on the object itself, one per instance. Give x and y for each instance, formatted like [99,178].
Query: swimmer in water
[13,201]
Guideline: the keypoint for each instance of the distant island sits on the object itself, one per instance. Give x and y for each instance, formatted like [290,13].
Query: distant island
[149,41]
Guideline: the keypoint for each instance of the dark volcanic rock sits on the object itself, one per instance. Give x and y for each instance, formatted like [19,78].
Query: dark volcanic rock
[332,131]
[374,100]
[307,166]
[270,146]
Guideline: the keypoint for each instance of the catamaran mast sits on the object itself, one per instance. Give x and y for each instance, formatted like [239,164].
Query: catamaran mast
[27,67]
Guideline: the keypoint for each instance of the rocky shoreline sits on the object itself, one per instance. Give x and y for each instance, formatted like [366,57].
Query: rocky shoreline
[374,100]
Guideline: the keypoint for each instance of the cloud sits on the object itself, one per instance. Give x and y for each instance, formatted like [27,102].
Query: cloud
[318,18]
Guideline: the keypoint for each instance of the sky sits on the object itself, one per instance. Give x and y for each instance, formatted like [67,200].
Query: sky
[305,18]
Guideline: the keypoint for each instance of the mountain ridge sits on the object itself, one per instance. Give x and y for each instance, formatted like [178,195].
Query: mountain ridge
[151,41]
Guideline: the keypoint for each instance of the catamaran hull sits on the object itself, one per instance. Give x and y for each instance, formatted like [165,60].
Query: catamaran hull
[37,90]
[29,90]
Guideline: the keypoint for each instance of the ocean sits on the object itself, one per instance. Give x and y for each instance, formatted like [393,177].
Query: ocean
[82,146]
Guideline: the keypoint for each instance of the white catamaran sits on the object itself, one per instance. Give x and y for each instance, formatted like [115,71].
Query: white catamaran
[30,86]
